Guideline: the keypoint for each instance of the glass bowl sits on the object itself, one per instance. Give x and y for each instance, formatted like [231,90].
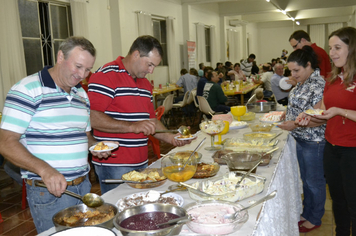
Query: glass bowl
[206,170]
[240,145]
[248,116]
[148,184]
[261,127]
[263,136]
[175,156]
[212,127]
[224,188]
[212,212]
[242,161]
[171,168]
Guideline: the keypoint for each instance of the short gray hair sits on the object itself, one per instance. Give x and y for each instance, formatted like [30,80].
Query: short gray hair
[76,41]
[276,65]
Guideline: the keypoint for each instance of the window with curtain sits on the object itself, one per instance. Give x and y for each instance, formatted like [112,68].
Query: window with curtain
[160,33]
[44,26]
[207,44]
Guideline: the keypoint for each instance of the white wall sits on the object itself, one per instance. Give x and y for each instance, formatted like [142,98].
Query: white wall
[253,38]
[113,38]
[208,14]
[273,38]
[99,32]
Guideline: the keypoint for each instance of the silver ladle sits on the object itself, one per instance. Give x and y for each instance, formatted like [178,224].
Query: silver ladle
[89,199]
[201,143]
[268,197]
[184,130]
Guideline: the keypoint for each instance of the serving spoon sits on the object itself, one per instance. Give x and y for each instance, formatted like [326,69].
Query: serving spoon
[201,143]
[247,173]
[184,130]
[89,199]
[234,215]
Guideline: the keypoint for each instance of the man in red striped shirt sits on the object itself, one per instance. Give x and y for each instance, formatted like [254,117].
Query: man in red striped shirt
[122,110]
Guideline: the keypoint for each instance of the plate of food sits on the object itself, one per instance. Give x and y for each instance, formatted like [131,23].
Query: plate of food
[145,178]
[187,137]
[103,147]
[238,125]
[314,112]
[152,196]
[273,117]
[206,170]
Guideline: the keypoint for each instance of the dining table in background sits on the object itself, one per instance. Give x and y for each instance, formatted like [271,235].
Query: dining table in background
[242,91]
[278,216]
[165,89]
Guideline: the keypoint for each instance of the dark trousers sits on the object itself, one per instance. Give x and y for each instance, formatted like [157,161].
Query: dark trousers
[340,173]
[222,108]
[283,101]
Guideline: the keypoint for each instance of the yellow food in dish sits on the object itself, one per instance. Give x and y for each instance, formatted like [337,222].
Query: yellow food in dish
[259,135]
[174,174]
[185,136]
[140,177]
[314,112]
[101,146]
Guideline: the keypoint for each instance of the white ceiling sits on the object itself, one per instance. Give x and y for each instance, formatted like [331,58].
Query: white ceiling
[305,11]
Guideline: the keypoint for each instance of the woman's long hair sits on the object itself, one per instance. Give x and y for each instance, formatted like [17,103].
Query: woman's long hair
[303,56]
[348,36]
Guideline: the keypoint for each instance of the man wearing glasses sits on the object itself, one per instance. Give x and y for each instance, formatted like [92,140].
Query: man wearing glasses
[300,38]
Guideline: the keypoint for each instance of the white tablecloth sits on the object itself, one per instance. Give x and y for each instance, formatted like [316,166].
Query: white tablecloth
[278,216]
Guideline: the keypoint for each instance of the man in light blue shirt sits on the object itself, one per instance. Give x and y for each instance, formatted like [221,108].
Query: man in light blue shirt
[280,94]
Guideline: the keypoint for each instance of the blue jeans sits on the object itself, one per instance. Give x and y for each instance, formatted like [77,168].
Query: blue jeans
[340,173]
[310,159]
[43,205]
[112,172]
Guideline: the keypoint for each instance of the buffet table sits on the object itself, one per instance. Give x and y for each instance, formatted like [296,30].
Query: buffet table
[278,216]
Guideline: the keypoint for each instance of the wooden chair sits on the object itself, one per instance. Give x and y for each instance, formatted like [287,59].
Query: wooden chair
[152,140]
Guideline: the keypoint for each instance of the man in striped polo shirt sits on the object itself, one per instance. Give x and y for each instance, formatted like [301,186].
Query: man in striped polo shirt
[122,110]
[45,130]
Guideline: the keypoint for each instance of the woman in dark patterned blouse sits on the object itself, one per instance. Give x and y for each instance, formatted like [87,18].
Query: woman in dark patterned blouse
[310,141]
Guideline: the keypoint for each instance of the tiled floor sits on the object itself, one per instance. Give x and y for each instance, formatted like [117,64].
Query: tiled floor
[18,222]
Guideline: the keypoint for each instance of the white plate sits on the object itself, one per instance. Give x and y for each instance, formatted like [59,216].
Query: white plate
[238,124]
[85,230]
[193,137]
[121,206]
[112,146]
[283,83]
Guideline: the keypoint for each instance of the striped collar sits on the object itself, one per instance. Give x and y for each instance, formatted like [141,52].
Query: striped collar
[47,81]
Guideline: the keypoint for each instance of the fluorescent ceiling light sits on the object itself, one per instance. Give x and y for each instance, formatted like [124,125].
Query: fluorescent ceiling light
[284,12]
[297,22]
